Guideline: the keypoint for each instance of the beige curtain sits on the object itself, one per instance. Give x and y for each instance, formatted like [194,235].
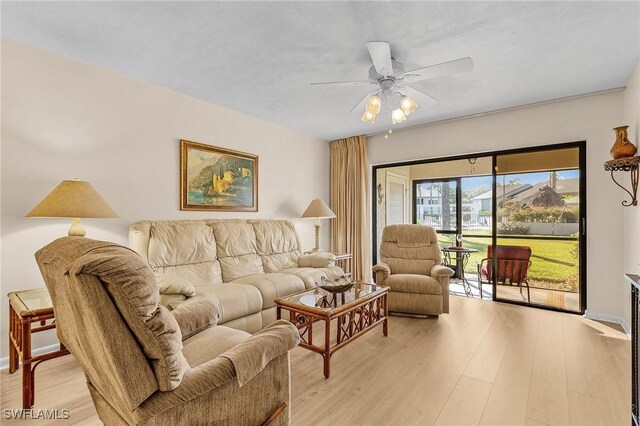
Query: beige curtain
[349,176]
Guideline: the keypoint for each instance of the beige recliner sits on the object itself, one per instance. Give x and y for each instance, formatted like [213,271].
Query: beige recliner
[146,365]
[411,268]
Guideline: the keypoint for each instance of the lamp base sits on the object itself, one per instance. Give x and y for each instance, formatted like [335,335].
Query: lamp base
[77,228]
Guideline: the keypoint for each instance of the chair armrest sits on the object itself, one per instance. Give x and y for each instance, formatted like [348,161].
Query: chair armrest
[193,317]
[265,346]
[252,355]
[439,271]
[382,272]
[320,259]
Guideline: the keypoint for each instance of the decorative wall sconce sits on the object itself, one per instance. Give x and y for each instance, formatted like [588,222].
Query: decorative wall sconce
[629,164]
[623,152]
[380,194]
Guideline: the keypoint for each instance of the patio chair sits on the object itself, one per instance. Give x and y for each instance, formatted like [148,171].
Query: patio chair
[513,263]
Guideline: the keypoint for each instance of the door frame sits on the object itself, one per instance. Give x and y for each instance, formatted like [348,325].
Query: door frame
[582,164]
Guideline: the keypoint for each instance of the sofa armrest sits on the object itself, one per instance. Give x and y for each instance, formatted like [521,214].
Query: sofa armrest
[320,259]
[195,316]
[267,348]
[440,271]
[382,272]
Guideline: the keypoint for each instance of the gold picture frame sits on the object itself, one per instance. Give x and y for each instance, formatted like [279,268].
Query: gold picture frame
[217,179]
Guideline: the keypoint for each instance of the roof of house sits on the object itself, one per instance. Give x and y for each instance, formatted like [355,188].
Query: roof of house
[563,187]
[510,190]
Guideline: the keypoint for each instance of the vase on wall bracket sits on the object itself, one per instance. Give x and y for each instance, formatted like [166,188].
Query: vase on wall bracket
[623,147]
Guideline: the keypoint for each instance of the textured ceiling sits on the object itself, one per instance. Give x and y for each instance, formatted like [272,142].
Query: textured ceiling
[259,57]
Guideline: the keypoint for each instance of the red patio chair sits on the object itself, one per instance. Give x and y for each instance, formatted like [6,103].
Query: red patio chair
[513,264]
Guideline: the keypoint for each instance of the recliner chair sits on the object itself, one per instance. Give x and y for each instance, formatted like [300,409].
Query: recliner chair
[146,365]
[411,268]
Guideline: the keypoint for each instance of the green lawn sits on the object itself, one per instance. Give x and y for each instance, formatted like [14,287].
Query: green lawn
[552,262]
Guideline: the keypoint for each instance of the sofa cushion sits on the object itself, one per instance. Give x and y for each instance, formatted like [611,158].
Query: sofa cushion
[231,300]
[210,343]
[172,284]
[272,286]
[409,283]
[186,249]
[277,244]
[312,276]
[237,250]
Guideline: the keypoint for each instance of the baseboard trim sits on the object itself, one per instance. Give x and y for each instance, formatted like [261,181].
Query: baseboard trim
[599,316]
[4,362]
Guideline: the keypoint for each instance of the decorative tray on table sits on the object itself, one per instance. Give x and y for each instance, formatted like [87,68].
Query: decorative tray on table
[339,285]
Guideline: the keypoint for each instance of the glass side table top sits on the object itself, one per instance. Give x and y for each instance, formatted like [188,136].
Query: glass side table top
[318,299]
[26,301]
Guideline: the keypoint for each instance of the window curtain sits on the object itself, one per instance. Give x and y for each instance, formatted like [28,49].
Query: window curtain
[349,167]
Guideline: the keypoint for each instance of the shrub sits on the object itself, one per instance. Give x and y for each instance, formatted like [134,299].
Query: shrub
[545,215]
[513,228]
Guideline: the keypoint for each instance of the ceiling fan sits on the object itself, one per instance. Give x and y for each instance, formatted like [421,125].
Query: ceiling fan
[392,82]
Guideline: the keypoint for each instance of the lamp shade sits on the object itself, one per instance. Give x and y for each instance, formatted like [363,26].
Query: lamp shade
[318,209]
[73,199]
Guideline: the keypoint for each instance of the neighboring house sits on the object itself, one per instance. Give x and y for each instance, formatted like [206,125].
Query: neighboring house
[483,201]
[428,200]
[567,188]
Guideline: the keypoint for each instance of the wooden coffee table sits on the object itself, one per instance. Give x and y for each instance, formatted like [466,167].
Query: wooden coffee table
[356,311]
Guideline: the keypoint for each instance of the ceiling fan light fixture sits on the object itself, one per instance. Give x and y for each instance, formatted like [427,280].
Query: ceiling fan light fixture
[369,117]
[408,105]
[374,104]
[397,116]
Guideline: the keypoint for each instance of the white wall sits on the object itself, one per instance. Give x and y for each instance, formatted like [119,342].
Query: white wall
[589,118]
[631,220]
[64,119]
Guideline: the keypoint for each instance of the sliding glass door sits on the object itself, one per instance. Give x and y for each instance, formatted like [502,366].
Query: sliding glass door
[538,238]
[518,216]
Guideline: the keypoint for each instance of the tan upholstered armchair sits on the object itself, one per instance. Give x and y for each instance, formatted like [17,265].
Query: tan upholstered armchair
[146,365]
[411,268]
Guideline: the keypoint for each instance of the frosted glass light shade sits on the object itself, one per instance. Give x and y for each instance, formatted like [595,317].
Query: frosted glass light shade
[397,116]
[369,117]
[73,199]
[374,104]
[318,209]
[408,105]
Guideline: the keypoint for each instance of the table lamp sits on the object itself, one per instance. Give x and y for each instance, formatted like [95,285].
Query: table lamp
[73,199]
[319,210]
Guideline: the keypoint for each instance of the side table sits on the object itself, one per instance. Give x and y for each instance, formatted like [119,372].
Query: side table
[461,256]
[26,308]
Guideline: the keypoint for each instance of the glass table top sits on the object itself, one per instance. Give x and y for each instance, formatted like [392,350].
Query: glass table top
[321,299]
[30,300]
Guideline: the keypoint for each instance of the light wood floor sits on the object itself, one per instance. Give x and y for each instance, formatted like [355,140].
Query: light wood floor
[485,363]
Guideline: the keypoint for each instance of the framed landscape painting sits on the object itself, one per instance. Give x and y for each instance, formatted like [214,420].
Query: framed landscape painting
[213,178]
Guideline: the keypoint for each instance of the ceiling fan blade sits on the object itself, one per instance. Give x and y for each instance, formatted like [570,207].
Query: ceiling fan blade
[422,99]
[432,71]
[380,52]
[363,101]
[345,83]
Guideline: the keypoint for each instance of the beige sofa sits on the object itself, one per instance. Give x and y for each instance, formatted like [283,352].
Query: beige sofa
[147,366]
[241,266]
[411,268]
